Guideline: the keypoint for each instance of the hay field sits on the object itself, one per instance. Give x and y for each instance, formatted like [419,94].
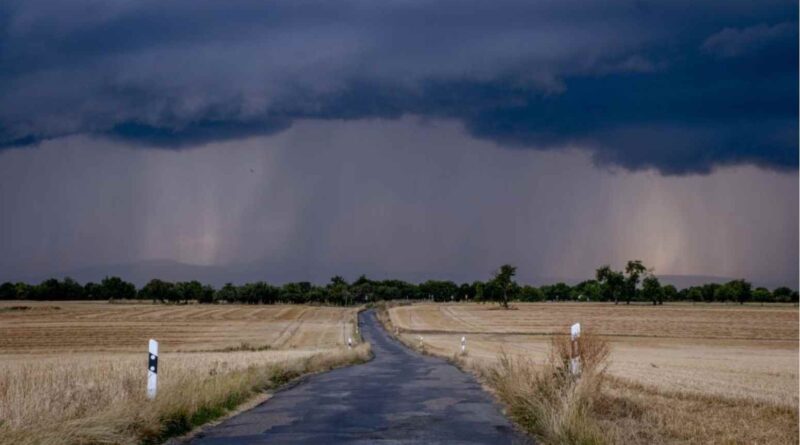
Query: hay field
[738,365]
[75,372]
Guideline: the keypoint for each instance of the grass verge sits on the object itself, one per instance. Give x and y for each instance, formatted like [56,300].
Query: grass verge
[188,398]
[548,401]
[602,409]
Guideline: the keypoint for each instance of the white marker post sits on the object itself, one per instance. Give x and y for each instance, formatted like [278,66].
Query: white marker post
[420,342]
[152,370]
[575,359]
[463,345]
[350,342]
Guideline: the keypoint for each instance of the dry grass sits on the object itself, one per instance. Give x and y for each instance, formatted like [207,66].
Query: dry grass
[49,394]
[547,400]
[679,374]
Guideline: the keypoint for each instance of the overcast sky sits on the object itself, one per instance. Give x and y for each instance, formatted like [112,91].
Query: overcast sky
[412,139]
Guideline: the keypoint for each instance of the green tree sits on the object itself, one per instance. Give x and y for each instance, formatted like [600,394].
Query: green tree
[695,294]
[612,281]
[762,295]
[337,280]
[49,289]
[741,290]
[207,294]
[71,290]
[295,292]
[530,293]
[339,291]
[187,291]
[782,294]
[724,293]
[361,289]
[8,291]
[589,290]
[228,293]
[438,290]
[670,293]
[115,288]
[91,291]
[651,290]
[24,291]
[560,292]
[158,290]
[709,292]
[504,280]
[466,291]
[635,269]
[480,291]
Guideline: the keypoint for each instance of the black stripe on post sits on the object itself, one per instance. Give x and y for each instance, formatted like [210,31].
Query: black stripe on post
[152,363]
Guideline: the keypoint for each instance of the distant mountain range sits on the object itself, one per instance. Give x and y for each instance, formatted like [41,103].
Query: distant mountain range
[141,272]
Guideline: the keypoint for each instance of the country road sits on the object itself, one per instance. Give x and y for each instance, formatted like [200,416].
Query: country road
[400,397]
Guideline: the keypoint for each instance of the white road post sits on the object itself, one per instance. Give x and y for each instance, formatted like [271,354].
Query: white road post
[575,359]
[350,342]
[152,369]
[463,345]
[420,342]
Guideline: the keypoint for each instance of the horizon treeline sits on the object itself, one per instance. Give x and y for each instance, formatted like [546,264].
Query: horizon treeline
[634,283]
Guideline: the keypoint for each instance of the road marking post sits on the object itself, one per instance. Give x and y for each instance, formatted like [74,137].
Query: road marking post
[463,345]
[152,369]
[350,342]
[575,359]
[420,342]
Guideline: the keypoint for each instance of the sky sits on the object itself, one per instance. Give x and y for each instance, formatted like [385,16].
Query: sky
[296,140]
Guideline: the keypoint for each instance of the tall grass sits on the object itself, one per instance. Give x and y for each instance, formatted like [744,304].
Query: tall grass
[103,402]
[547,400]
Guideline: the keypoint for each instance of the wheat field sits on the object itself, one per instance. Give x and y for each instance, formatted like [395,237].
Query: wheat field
[75,372]
[708,373]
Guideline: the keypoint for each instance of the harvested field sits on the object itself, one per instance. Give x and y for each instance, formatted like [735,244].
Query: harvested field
[50,327]
[682,321]
[65,366]
[741,362]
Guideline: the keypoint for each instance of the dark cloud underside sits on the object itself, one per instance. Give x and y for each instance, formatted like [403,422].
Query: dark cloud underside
[679,86]
[408,198]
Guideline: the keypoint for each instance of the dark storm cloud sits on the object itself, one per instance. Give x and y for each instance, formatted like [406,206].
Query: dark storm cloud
[676,86]
[732,42]
[196,132]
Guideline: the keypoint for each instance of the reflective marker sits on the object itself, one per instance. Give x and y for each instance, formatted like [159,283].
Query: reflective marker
[575,359]
[152,370]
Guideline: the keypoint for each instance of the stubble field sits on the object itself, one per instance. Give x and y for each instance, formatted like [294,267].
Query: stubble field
[707,373]
[75,372]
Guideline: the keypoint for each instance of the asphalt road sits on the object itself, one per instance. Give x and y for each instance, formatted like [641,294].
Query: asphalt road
[400,397]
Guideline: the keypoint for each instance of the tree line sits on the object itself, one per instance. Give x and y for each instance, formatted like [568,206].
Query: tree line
[634,283]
